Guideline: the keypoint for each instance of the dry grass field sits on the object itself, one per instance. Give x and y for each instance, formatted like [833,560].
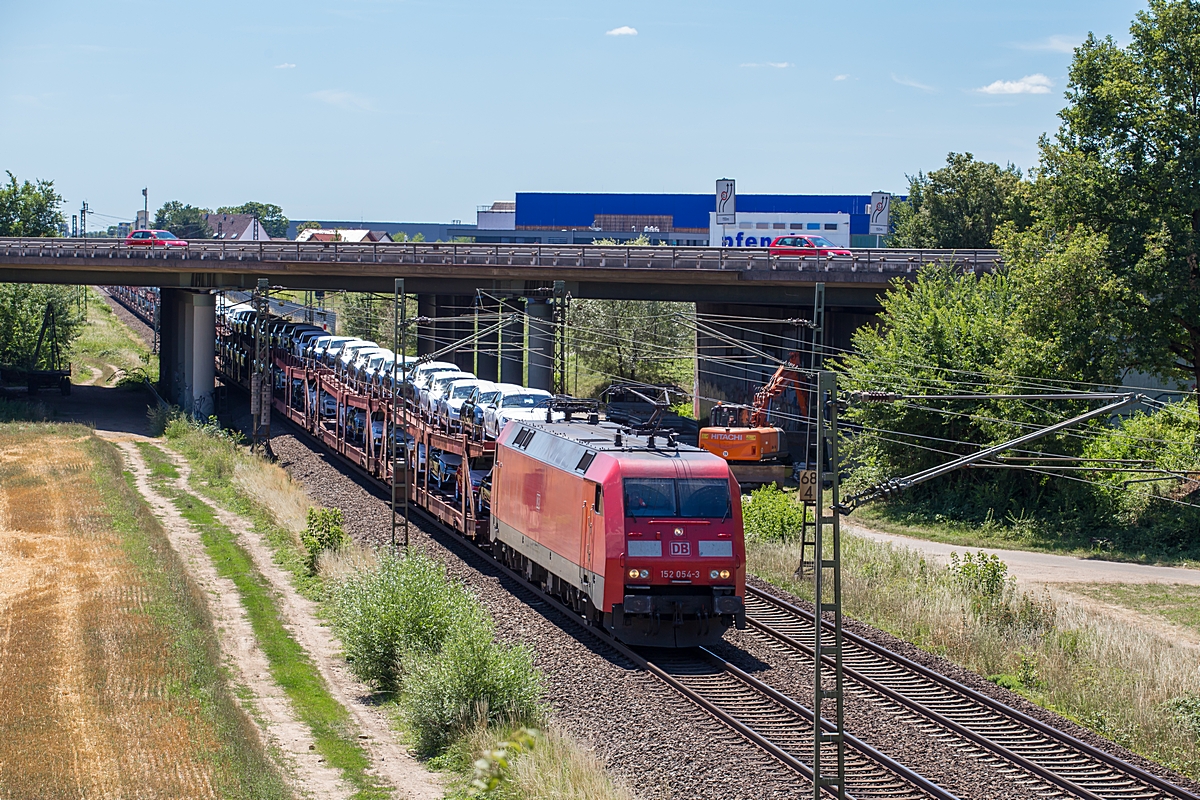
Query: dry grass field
[110,684]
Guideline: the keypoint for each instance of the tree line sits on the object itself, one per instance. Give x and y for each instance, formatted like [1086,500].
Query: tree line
[1101,278]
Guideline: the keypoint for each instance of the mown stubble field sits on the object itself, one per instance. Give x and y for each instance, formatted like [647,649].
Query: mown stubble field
[109,686]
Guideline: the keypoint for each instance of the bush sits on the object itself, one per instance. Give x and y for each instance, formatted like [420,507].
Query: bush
[772,515]
[473,680]
[404,605]
[323,532]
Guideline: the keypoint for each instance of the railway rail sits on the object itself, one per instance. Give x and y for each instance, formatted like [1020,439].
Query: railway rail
[1067,763]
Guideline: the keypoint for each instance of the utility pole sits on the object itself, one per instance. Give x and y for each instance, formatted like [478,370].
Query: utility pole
[74,225]
[83,220]
[146,206]
[260,376]
[399,370]
[827,564]
[561,301]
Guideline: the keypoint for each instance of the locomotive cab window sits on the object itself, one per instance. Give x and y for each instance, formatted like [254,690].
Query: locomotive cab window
[598,503]
[683,498]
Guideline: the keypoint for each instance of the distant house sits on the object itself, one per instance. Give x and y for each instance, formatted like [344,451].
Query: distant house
[241,227]
[353,235]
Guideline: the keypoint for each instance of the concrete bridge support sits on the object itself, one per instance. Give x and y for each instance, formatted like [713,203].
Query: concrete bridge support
[187,349]
[541,342]
[426,307]
[461,309]
[487,362]
[512,342]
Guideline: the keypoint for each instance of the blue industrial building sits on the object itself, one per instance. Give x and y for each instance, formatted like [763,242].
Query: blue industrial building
[568,209]
[678,219]
[584,217]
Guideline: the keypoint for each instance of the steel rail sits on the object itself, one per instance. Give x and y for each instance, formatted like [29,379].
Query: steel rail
[925,787]
[976,699]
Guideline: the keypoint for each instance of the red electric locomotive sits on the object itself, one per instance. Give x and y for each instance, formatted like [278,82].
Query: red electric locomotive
[641,535]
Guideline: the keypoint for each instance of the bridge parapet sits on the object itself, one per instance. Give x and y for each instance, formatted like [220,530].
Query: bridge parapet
[887,262]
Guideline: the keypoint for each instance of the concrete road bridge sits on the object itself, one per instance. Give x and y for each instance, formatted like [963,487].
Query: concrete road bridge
[753,295]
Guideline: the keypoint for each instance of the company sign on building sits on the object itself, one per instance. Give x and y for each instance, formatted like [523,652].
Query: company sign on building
[758,229]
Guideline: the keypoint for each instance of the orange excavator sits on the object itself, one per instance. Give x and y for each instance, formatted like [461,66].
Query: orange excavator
[742,434]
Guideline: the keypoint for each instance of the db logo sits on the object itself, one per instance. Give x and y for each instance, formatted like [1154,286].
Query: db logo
[681,548]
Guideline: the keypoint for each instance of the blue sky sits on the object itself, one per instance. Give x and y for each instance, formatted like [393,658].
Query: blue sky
[419,111]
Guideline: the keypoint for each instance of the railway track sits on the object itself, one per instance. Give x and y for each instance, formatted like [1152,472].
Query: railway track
[1067,764]
[781,726]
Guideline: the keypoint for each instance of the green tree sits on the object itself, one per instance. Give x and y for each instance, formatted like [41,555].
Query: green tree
[961,204]
[270,216]
[30,209]
[185,221]
[22,308]
[307,226]
[638,340]
[1126,163]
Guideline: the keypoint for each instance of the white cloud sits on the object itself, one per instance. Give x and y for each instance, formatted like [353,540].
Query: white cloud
[840,77]
[285,65]
[345,100]
[1030,84]
[1057,43]
[624,30]
[772,64]
[911,83]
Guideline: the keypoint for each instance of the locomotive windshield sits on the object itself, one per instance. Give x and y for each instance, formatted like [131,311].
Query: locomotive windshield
[683,497]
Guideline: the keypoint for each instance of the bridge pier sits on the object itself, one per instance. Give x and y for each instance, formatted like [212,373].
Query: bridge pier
[426,307]
[486,356]
[541,342]
[187,350]
[512,342]
[461,309]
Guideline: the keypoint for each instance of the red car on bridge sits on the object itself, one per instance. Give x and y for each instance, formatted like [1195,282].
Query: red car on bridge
[800,245]
[152,238]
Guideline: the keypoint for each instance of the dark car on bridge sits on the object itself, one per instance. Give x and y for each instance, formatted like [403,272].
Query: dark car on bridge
[797,245]
[149,238]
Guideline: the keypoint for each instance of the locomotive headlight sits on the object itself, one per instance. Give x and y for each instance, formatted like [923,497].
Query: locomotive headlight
[644,573]
[724,573]
[633,573]
[679,531]
[714,574]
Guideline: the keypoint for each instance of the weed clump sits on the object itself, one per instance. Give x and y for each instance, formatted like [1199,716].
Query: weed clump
[323,532]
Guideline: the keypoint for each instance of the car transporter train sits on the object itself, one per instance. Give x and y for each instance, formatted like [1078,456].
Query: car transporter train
[641,535]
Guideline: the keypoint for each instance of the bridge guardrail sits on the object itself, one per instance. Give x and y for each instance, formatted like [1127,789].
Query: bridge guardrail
[896,261]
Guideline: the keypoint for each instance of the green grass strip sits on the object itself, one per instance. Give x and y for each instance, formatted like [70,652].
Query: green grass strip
[240,765]
[290,665]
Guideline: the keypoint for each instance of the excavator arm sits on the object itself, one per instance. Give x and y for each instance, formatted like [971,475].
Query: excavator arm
[788,375]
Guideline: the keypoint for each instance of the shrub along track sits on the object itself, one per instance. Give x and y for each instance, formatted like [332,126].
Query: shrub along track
[640,728]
